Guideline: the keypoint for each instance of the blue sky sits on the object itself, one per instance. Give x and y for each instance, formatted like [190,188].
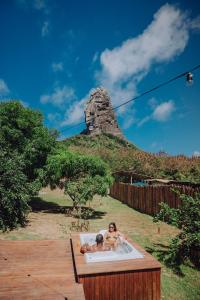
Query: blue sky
[53,53]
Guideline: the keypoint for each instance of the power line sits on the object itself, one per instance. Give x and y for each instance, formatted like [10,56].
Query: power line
[158,86]
[144,93]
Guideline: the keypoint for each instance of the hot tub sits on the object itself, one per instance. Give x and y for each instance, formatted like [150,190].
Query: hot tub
[117,279]
[124,251]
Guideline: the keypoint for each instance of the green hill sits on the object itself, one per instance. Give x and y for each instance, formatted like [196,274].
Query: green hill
[122,155]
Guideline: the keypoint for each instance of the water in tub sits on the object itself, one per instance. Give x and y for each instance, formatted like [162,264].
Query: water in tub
[124,251]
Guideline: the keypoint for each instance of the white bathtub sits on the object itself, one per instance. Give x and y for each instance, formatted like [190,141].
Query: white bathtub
[124,251]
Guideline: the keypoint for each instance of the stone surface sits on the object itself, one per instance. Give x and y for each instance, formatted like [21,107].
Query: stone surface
[99,115]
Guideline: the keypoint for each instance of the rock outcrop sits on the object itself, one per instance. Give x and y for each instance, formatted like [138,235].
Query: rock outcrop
[99,115]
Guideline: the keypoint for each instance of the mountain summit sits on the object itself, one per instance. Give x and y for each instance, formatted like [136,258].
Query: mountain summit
[99,115]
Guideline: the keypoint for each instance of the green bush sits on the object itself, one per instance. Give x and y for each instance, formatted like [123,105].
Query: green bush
[82,176]
[14,191]
[187,219]
[24,146]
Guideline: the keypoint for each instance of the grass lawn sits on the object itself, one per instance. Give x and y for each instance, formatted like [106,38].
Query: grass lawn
[48,220]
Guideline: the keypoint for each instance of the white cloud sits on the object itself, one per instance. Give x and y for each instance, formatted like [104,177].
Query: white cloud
[95,57]
[74,113]
[163,111]
[4,90]
[57,67]
[120,94]
[45,29]
[164,38]
[129,119]
[59,96]
[196,153]
[144,120]
[124,66]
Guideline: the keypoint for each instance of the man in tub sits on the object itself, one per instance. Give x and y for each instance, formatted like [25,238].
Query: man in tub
[99,246]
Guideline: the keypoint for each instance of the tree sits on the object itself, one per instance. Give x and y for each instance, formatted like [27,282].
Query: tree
[82,176]
[26,143]
[22,130]
[14,191]
[187,219]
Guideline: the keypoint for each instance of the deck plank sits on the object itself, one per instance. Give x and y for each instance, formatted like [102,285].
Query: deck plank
[40,269]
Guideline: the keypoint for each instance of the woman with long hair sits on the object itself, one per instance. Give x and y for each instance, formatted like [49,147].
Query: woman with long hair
[112,236]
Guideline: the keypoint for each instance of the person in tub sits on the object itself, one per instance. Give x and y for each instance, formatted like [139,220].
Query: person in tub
[99,246]
[112,236]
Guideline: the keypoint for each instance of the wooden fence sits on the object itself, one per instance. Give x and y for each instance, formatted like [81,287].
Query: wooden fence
[147,199]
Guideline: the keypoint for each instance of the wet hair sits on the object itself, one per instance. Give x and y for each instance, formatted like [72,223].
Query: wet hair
[114,225]
[99,238]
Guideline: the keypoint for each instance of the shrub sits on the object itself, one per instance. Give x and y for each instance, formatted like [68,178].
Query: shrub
[14,191]
[24,146]
[82,176]
[187,219]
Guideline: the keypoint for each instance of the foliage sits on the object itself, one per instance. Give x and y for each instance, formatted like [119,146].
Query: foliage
[81,176]
[22,130]
[14,191]
[26,143]
[121,155]
[187,219]
[167,214]
[84,188]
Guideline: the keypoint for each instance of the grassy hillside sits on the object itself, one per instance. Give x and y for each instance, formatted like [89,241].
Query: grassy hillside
[122,155]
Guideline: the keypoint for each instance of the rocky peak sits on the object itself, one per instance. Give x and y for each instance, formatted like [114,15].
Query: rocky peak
[99,114]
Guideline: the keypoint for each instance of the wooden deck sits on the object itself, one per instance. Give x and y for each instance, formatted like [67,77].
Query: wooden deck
[38,270]
[44,269]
